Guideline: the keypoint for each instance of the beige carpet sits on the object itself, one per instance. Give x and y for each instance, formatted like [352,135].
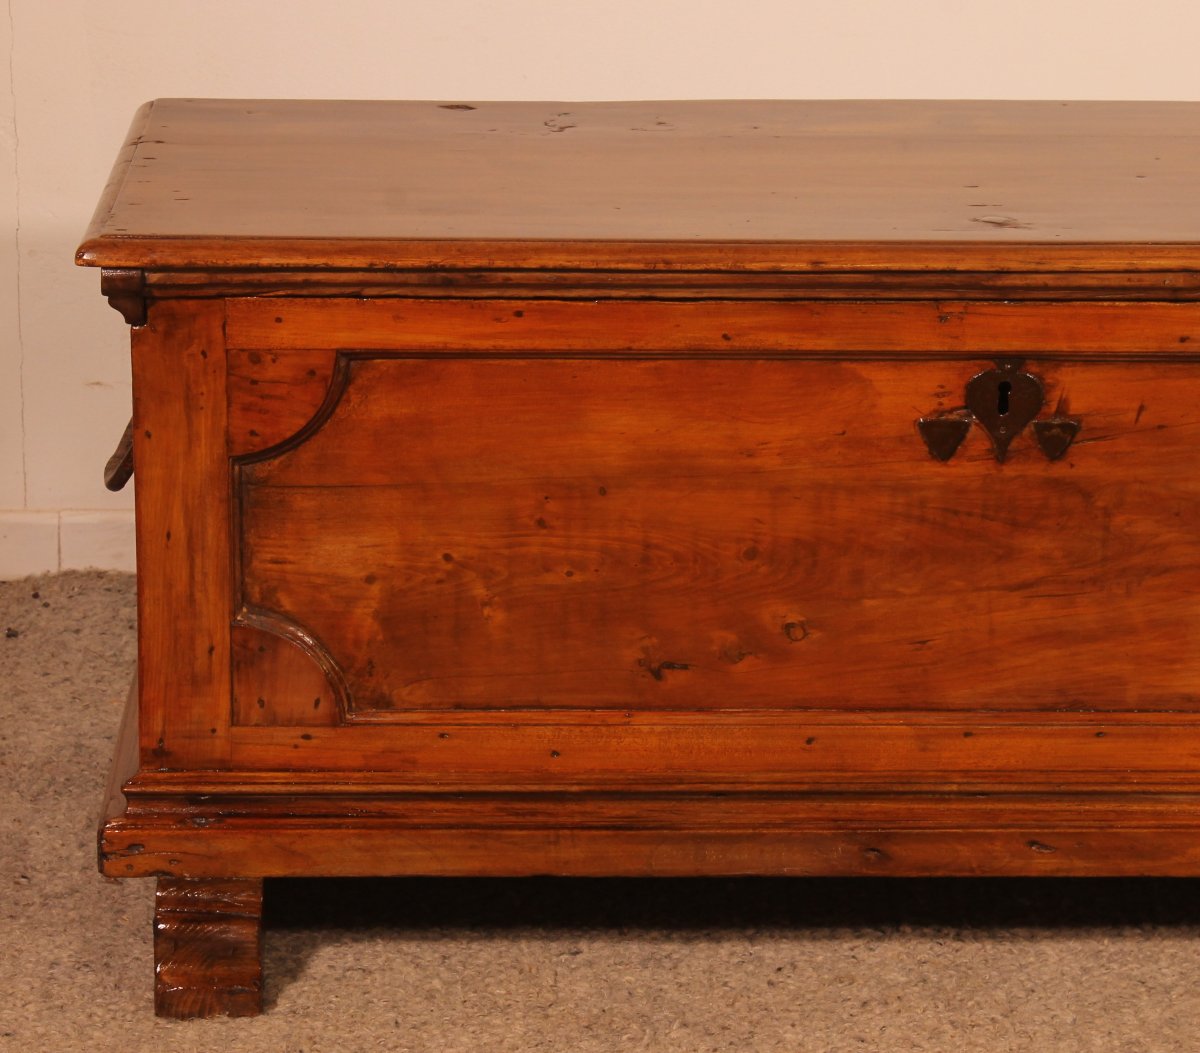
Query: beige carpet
[565,966]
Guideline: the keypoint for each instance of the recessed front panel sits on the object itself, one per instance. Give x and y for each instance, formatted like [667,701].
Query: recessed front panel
[721,535]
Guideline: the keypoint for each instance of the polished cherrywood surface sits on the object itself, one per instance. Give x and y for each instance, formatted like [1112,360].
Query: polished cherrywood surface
[654,535]
[183,544]
[712,185]
[208,948]
[551,499]
[712,327]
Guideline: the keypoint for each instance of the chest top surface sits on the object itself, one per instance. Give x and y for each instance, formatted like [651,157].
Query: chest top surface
[734,185]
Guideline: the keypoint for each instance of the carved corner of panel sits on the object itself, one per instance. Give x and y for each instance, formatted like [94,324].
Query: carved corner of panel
[283,674]
[126,292]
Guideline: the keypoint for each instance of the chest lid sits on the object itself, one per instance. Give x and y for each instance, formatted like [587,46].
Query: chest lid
[747,186]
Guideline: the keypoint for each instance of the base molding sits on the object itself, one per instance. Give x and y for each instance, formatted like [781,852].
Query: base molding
[212,825]
[1106,845]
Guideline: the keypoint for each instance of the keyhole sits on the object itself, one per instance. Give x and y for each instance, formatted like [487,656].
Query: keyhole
[1002,400]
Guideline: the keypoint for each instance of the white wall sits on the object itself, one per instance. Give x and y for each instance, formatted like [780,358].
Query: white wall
[79,68]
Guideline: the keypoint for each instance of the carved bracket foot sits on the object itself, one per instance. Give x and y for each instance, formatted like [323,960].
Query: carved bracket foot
[208,948]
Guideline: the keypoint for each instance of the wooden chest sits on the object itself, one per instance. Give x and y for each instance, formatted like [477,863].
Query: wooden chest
[653,489]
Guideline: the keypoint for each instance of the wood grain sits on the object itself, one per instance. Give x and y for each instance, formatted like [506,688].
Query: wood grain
[732,535]
[355,848]
[533,488]
[665,284]
[273,396]
[554,327]
[207,948]
[659,810]
[703,755]
[185,567]
[124,764]
[298,691]
[710,185]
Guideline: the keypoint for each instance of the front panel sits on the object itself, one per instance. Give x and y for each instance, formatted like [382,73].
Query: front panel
[717,547]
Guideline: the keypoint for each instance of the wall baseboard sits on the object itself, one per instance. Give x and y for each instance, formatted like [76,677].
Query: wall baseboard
[46,542]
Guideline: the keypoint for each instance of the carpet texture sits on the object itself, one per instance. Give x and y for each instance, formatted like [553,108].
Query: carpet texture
[570,966]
